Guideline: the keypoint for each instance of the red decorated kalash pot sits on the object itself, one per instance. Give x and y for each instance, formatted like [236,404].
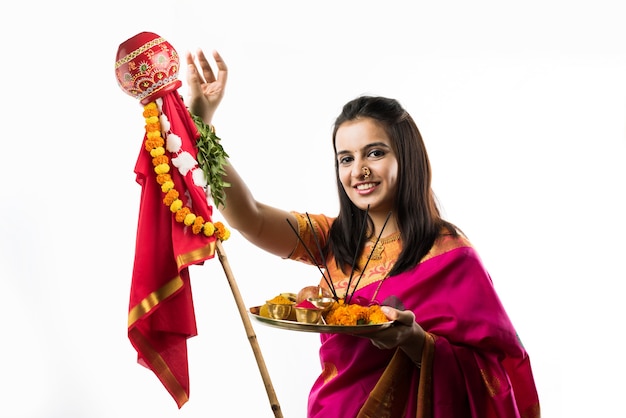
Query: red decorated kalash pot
[147,67]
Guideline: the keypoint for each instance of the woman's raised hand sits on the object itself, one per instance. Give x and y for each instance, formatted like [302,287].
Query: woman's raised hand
[205,90]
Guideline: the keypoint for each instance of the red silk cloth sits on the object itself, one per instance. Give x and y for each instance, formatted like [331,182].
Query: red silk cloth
[161,313]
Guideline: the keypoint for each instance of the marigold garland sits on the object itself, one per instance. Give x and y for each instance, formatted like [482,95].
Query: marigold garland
[154,144]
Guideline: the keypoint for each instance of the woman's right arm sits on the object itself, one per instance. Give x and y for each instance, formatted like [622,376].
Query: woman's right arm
[262,225]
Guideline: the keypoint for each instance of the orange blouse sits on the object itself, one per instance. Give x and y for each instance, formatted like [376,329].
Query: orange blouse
[382,256]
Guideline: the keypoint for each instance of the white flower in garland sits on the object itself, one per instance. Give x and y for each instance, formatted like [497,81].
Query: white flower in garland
[182,160]
[154,145]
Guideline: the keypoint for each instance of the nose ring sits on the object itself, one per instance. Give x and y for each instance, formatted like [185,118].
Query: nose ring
[366,173]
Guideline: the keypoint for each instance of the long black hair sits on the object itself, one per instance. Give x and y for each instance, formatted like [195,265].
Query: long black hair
[417,213]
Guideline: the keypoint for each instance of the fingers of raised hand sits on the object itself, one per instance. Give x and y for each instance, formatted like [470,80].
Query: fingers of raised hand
[222,69]
[219,61]
[207,71]
[193,76]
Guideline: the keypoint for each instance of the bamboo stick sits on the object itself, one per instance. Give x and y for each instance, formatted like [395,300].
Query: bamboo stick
[249,331]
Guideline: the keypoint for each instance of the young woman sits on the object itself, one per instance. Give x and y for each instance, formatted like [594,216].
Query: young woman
[452,351]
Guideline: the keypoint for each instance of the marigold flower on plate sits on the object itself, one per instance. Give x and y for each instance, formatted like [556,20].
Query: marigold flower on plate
[376,315]
[353,314]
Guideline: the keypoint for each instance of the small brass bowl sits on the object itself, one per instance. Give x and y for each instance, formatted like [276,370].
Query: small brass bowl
[279,310]
[322,303]
[308,315]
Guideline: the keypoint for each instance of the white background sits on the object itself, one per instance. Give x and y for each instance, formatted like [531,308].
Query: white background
[522,107]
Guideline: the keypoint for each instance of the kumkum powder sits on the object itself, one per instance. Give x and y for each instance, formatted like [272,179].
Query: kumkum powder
[306,304]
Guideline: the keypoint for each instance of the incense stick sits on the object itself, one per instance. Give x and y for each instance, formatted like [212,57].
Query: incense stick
[358,246]
[319,248]
[356,285]
[328,282]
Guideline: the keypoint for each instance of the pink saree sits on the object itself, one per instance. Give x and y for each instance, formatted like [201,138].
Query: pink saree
[474,365]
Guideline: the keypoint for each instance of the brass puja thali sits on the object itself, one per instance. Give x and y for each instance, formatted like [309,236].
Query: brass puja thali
[294,325]
[319,308]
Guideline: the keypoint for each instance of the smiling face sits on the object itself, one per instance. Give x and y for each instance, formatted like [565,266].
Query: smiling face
[363,142]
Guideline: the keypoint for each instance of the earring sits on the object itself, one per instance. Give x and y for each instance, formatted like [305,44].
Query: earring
[366,173]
